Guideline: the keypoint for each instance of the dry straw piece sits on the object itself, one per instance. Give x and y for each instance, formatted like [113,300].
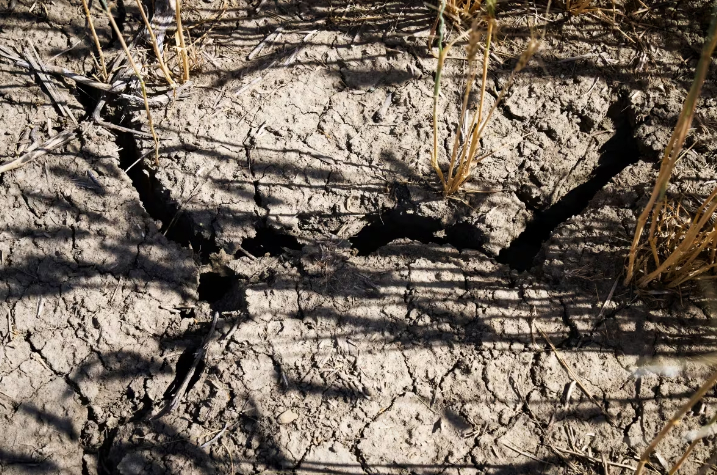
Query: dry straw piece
[155,45]
[682,244]
[91,25]
[137,73]
[462,12]
[180,41]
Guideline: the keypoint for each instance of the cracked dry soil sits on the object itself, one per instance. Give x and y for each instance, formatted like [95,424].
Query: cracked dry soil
[367,324]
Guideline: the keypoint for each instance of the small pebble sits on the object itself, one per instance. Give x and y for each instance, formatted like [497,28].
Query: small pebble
[287,417]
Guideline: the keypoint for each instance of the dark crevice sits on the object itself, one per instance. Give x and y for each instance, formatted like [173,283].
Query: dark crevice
[396,224]
[269,241]
[144,411]
[574,337]
[87,97]
[400,224]
[213,286]
[616,154]
[174,223]
[257,195]
[103,454]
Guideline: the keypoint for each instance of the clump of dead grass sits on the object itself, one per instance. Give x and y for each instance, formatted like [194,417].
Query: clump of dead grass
[680,249]
[463,12]
[465,152]
[682,244]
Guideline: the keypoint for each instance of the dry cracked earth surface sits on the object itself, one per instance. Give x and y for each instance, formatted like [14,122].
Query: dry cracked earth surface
[366,324]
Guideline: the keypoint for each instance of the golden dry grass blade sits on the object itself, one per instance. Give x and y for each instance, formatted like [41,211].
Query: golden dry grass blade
[465,153]
[182,47]
[682,459]
[470,78]
[674,146]
[91,24]
[437,91]
[684,273]
[466,159]
[706,386]
[687,242]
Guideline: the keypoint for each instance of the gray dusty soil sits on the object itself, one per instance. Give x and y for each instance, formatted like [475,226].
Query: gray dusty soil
[367,324]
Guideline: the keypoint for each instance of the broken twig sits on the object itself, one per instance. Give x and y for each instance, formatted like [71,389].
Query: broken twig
[525,454]
[198,356]
[216,437]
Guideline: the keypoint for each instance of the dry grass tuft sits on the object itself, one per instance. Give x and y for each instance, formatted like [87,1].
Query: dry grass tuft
[181,48]
[675,246]
[465,152]
[462,13]
[682,244]
[155,45]
[137,73]
[580,7]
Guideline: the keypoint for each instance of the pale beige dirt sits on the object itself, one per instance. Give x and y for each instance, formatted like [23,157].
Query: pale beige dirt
[376,327]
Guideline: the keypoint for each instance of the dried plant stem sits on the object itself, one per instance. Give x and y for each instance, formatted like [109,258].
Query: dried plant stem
[463,174]
[672,151]
[182,47]
[464,153]
[437,90]
[38,150]
[472,72]
[571,374]
[96,39]
[139,77]
[466,160]
[706,386]
[116,87]
[155,45]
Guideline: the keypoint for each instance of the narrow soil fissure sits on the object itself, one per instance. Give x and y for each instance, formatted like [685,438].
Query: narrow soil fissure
[620,151]
[175,224]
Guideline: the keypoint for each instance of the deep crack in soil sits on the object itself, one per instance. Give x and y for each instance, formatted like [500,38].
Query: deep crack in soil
[175,224]
[621,151]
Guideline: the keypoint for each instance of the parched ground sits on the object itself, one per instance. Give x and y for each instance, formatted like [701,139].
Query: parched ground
[366,324]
